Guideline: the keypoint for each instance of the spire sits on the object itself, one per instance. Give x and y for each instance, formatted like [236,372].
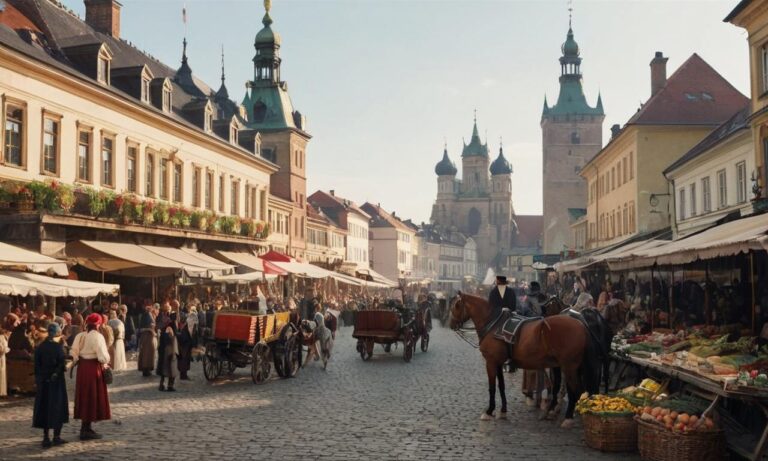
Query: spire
[222,93]
[599,105]
[545,110]
[500,165]
[475,134]
[475,146]
[267,19]
[184,52]
[445,167]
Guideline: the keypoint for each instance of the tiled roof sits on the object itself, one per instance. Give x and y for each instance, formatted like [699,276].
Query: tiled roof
[529,230]
[58,29]
[696,94]
[732,126]
[381,218]
[333,205]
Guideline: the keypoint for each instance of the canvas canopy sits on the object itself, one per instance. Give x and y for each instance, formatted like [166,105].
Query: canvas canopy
[13,257]
[252,262]
[26,284]
[243,278]
[142,260]
[378,278]
[728,239]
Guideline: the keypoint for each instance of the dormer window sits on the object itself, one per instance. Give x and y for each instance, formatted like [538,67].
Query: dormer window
[233,134]
[167,97]
[102,66]
[145,90]
[257,144]
[208,122]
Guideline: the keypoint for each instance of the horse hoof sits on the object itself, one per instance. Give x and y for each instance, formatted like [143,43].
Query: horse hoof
[486,417]
[567,423]
[502,415]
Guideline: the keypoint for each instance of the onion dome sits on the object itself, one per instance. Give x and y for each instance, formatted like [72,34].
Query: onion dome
[500,165]
[267,36]
[445,167]
[570,48]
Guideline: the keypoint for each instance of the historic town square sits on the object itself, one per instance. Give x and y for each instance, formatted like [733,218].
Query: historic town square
[467,230]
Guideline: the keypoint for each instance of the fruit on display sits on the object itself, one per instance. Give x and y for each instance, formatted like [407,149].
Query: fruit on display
[675,421]
[601,404]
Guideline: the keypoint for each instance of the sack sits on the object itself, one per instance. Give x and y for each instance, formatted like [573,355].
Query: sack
[108,377]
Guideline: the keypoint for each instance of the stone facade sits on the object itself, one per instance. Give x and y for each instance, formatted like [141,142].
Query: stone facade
[479,205]
[572,133]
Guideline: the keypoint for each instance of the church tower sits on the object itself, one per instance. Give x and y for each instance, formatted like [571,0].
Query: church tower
[474,166]
[572,133]
[502,212]
[446,191]
[269,112]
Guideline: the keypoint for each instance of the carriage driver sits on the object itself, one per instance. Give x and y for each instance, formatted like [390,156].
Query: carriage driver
[501,296]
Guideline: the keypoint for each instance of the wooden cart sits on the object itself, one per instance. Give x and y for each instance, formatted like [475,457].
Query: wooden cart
[242,338]
[385,327]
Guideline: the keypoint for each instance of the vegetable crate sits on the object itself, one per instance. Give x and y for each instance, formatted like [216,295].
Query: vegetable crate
[657,443]
[610,432]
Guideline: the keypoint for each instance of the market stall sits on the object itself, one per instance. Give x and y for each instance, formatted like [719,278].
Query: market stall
[15,258]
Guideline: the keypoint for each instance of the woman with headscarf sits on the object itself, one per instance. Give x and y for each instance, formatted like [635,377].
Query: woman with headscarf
[147,342]
[117,351]
[167,350]
[51,409]
[89,350]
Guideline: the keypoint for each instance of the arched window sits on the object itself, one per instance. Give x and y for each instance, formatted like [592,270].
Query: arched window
[473,222]
[259,112]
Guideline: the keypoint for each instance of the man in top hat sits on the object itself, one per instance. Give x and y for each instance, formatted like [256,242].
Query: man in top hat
[501,296]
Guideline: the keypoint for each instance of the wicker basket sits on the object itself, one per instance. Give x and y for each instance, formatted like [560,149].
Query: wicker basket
[610,433]
[657,443]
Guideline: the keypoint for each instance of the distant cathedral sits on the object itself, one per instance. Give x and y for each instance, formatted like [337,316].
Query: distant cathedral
[479,205]
[572,133]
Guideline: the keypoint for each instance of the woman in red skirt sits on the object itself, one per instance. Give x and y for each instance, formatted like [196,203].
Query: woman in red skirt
[90,352]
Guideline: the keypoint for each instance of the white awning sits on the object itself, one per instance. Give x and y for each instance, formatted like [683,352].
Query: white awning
[13,257]
[252,262]
[142,260]
[378,278]
[243,278]
[303,269]
[25,284]
[727,239]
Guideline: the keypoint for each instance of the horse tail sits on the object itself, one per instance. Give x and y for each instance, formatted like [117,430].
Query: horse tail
[591,365]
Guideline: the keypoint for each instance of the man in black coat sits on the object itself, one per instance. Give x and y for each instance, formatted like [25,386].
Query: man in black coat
[501,296]
[51,409]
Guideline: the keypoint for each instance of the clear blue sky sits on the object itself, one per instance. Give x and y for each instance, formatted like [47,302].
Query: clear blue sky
[383,82]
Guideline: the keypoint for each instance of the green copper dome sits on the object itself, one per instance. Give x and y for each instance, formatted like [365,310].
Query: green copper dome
[267,36]
[500,165]
[445,167]
[570,48]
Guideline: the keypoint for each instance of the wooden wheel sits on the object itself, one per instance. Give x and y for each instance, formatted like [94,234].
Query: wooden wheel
[410,344]
[287,353]
[211,363]
[425,342]
[364,350]
[261,366]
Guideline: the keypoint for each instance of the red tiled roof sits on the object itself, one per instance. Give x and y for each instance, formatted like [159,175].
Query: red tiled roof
[696,94]
[529,230]
[15,20]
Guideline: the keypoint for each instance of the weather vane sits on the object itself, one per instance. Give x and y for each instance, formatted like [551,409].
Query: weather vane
[570,12]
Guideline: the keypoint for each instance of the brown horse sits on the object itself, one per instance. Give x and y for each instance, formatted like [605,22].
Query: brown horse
[559,341]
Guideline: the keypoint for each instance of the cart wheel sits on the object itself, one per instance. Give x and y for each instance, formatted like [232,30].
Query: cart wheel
[260,363]
[425,342]
[292,357]
[387,348]
[211,364]
[410,345]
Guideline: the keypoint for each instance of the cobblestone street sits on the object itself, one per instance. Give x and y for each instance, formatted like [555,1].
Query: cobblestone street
[381,409]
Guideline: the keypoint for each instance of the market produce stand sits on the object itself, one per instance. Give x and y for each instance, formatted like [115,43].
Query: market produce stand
[715,389]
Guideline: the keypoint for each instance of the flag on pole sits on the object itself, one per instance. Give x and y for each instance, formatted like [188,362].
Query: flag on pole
[184,13]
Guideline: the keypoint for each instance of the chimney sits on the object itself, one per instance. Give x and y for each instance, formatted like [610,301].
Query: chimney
[658,72]
[333,193]
[615,129]
[104,16]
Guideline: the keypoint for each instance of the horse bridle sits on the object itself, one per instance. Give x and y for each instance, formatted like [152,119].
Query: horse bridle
[462,332]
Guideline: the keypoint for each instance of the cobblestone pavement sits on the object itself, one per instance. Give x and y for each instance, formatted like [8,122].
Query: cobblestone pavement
[384,409]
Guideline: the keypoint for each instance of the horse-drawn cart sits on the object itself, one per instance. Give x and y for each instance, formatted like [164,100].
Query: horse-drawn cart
[242,338]
[388,327]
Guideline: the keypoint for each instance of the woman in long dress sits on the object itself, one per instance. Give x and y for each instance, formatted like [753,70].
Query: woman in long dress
[147,342]
[3,370]
[117,352]
[89,350]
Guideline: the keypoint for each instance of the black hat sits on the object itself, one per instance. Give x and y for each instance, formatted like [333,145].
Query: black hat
[534,288]
[502,279]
